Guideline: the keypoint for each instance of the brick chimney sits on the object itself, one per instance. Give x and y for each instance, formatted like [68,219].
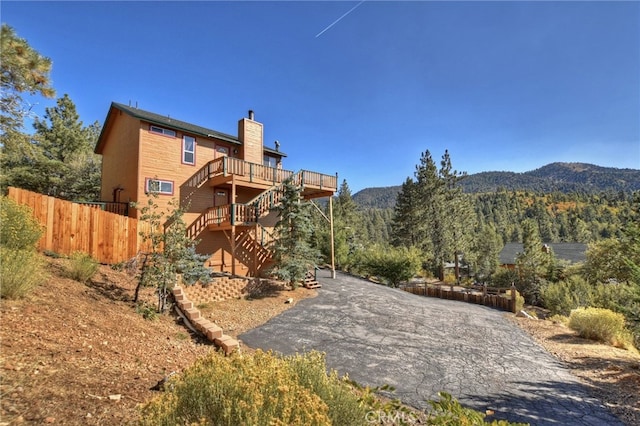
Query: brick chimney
[250,134]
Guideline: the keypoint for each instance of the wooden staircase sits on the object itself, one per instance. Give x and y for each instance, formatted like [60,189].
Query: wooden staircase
[310,280]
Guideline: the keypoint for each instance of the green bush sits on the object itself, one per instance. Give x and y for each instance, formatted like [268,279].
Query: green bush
[258,389]
[21,271]
[393,265]
[503,278]
[18,228]
[266,389]
[564,296]
[602,325]
[519,300]
[448,411]
[81,267]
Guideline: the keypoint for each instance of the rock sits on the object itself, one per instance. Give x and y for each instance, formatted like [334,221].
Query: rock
[524,314]
[289,300]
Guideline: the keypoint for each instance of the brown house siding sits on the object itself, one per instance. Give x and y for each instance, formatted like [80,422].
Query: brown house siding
[120,160]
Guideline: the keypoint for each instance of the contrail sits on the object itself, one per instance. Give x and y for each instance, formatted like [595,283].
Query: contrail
[339,19]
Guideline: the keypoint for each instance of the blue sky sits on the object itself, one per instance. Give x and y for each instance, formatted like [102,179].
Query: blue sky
[501,85]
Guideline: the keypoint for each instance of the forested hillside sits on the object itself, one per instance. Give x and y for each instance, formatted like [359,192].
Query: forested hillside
[555,177]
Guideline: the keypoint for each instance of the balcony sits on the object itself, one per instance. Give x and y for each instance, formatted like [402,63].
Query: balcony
[226,169]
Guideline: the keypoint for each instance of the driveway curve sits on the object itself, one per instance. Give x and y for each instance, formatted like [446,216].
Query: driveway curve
[420,346]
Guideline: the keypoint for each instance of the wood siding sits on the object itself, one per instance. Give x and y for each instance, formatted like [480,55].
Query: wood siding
[70,227]
[120,159]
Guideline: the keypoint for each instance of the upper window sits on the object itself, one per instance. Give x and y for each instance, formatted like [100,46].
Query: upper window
[270,161]
[188,150]
[159,186]
[162,131]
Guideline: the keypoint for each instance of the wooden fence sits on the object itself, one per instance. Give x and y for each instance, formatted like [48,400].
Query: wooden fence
[492,297]
[70,227]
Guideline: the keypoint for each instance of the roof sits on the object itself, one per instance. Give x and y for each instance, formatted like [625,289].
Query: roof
[172,123]
[572,252]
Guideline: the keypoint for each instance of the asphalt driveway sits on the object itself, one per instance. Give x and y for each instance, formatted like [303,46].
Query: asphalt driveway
[421,345]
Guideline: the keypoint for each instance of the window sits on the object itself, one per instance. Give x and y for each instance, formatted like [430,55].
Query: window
[159,186]
[188,150]
[270,161]
[162,131]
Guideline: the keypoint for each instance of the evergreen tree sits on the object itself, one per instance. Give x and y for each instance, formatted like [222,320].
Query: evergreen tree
[534,263]
[486,251]
[430,227]
[458,218]
[171,252]
[405,225]
[58,159]
[347,225]
[22,70]
[293,254]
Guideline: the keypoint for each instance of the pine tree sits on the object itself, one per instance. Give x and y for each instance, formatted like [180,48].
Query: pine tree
[58,159]
[404,228]
[293,254]
[348,226]
[171,252]
[534,263]
[486,251]
[22,70]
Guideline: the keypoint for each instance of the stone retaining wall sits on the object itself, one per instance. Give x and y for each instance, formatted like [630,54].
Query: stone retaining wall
[204,326]
[220,289]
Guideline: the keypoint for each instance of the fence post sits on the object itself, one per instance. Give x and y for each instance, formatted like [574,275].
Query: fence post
[513,297]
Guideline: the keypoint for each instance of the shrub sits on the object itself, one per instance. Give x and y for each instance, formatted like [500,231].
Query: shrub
[18,228]
[393,265]
[503,278]
[600,324]
[81,267]
[448,411]
[21,271]
[519,300]
[564,296]
[147,312]
[258,389]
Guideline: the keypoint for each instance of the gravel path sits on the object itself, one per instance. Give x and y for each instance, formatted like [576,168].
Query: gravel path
[419,345]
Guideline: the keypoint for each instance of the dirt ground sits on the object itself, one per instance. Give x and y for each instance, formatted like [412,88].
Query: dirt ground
[613,374]
[75,353]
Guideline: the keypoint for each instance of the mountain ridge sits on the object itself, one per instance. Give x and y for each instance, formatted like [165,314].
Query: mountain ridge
[553,177]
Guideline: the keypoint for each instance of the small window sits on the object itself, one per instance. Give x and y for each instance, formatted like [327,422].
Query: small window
[189,150]
[270,161]
[159,186]
[162,131]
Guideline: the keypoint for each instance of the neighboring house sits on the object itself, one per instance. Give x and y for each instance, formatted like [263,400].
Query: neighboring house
[570,252]
[228,184]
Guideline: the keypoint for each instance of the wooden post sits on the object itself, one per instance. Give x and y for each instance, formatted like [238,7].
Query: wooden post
[513,297]
[333,260]
[233,225]
[255,253]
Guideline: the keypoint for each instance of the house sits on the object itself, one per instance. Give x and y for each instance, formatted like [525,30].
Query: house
[227,184]
[570,252]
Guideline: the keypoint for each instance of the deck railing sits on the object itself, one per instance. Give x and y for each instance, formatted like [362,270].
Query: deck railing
[226,166]
[108,206]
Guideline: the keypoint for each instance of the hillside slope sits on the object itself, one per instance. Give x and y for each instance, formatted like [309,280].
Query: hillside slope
[80,354]
[560,177]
